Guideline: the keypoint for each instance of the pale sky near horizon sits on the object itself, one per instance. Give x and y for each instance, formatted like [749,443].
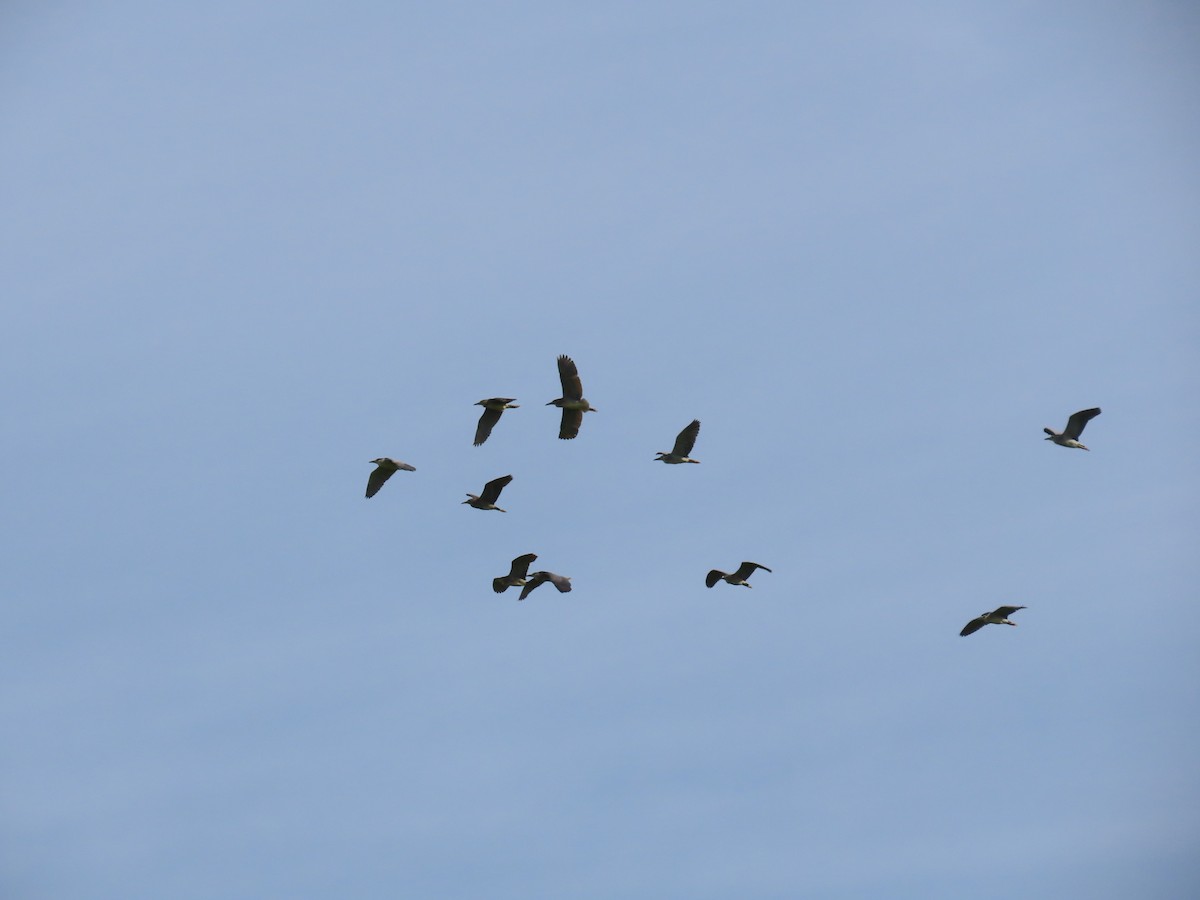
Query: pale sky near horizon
[874,247]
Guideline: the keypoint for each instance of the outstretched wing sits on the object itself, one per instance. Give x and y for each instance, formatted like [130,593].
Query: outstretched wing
[491,490]
[562,582]
[686,439]
[520,565]
[1076,423]
[746,569]
[973,626]
[1003,612]
[377,478]
[572,387]
[531,583]
[569,427]
[713,577]
[487,422]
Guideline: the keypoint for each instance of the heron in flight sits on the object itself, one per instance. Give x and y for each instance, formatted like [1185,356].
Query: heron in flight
[571,402]
[537,579]
[1075,425]
[998,616]
[491,493]
[493,408]
[684,443]
[516,574]
[384,469]
[745,570]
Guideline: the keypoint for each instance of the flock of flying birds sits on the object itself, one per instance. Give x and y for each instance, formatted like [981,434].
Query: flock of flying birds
[573,406]
[1068,437]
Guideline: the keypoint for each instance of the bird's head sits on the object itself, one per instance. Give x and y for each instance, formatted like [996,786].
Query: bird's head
[659,455]
[380,461]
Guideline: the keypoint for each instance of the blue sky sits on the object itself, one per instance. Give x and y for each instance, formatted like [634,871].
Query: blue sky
[873,247]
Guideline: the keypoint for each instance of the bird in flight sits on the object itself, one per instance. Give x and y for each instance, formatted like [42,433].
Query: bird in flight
[493,408]
[745,570]
[537,579]
[684,443]
[571,402]
[998,616]
[1075,425]
[491,493]
[384,469]
[516,574]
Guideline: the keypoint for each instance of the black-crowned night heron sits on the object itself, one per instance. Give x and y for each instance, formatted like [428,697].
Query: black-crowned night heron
[516,575]
[491,493]
[562,582]
[493,408]
[1075,425]
[571,403]
[745,570]
[384,469]
[684,443]
[998,616]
